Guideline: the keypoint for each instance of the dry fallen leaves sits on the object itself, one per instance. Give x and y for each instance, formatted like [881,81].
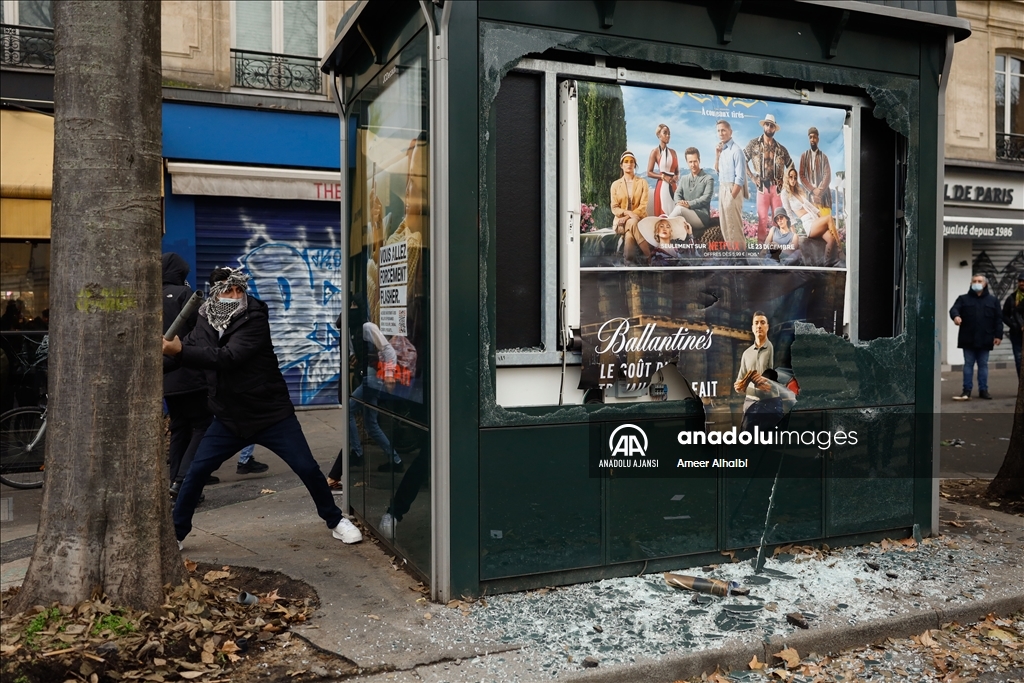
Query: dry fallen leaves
[756,665]
[262,491]
[790,656]
[195,636]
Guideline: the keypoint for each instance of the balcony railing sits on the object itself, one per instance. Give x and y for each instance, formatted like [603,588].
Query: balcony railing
[1009,147]
[27,47]
[269,71]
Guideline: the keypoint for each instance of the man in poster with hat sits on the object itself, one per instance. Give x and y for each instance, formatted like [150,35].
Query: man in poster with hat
[816,172]
[629,206]
[770,162]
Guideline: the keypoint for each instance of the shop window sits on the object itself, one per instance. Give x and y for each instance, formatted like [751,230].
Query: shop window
[276,44]
[1009,108]
[25,319]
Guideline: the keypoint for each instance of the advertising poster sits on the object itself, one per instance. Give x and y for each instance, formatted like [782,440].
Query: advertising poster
[710,226]
[387,318]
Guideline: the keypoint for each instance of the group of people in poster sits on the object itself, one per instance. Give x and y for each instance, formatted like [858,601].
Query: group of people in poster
[679,224]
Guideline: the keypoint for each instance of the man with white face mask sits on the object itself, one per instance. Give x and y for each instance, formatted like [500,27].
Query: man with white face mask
[248,398]
[980,320]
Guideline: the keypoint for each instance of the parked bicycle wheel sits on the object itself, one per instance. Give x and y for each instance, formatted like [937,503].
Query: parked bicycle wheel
[21,461]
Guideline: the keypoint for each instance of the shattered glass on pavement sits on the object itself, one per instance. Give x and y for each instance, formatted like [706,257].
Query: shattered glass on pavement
[628,620]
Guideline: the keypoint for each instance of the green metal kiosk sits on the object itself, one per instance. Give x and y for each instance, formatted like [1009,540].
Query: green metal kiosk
[636,284]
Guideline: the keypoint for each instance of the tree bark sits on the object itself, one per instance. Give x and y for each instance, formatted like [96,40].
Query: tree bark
[1009,481]
[105,519]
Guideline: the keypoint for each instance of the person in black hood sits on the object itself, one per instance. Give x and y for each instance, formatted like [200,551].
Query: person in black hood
[980,320]
[248,397]
[184,388]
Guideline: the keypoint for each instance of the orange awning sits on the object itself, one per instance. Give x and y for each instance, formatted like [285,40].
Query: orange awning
[26,174]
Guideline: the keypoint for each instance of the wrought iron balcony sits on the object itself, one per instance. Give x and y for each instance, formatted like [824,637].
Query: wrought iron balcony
[269,71]
[1009,147]
[27,47]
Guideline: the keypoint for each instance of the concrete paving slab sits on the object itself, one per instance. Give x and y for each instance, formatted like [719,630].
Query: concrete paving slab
[369,611]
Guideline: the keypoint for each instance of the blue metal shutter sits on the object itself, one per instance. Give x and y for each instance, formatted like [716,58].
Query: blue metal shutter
[290,250]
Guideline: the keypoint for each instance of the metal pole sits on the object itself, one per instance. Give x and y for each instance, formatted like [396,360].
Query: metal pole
[940,315]
[337,94]
[440,433]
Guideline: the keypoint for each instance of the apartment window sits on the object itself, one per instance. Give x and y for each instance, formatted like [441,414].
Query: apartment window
[276,44]
[27,40]
[26,13]
[1009,109]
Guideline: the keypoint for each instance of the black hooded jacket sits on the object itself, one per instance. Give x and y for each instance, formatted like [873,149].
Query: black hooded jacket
[247,390]
[175,295]
[981,320]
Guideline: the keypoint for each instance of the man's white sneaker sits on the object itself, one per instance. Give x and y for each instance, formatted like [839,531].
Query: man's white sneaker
[387,526]
[346,532]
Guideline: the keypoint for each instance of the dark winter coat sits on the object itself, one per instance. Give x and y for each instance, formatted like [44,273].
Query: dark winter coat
[1013,314]
[175,295]
[981,320]
[247,390]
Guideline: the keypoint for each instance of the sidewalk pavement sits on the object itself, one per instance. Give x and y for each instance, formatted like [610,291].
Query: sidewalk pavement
[372,614]
[983,426]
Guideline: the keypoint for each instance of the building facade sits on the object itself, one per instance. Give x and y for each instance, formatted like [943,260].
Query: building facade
[250,140]
[983,216]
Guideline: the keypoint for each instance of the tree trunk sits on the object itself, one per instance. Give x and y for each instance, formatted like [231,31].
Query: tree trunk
[105,521]
[1009,481]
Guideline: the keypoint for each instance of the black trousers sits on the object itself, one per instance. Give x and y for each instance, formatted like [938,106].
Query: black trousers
[190,417]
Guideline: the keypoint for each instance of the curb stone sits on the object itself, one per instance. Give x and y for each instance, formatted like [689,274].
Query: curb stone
[738,655]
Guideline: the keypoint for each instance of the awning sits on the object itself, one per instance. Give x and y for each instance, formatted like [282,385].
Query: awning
[254,181]
[968,223]
[26,174]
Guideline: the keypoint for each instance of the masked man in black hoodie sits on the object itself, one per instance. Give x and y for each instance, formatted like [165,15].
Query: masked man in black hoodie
[184,388]
[980,320]
[248,397]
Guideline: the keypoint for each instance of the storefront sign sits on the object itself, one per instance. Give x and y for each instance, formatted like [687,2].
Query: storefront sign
[984,188]
[979,193]
[250,181]
[974,229]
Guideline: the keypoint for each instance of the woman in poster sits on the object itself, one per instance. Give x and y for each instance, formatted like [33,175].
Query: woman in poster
[667,163]
[798,204]
[671,239]
[784,244]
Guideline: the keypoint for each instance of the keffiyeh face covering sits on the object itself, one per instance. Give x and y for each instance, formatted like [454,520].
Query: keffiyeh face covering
[220,312]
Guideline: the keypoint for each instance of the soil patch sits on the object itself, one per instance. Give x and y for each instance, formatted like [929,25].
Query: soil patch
[201,633]
[974,492]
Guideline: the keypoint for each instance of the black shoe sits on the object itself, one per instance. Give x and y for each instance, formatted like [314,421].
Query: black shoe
[355,461]
[251,467]
[212,480]
[985,395]
[175,487]
[392,467]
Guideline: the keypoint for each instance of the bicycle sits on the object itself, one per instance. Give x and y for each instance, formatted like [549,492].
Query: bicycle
[22,445]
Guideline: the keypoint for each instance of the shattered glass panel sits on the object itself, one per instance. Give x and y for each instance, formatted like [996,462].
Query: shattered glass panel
[780,501]
[823,359]
[870,485]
